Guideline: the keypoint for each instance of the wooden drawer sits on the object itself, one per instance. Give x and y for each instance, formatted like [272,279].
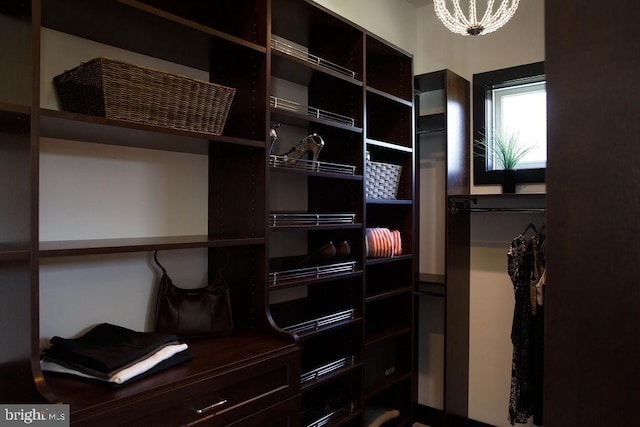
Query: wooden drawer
[285,414]
[216,400]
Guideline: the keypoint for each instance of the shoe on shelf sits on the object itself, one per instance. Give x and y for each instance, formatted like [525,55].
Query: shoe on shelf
[309,144]
[343,250]
[323,255]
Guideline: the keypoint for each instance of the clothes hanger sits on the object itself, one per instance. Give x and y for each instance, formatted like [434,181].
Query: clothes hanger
[530,226]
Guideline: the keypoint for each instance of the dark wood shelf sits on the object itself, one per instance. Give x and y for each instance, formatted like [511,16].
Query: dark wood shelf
[211,356]
[14,118]
[302,120]
[388,293]
[143,244]
[302,72]
[427,278]
[13,254]
[387,383]
[21,110]
[373,261]
[82,127]
[431,289]
[388,334]
[390,97]
[140,28]
[430,284]
[432,123]
[389,202]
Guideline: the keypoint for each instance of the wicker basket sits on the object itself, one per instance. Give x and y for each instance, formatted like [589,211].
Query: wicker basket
[116,90]
[382,180]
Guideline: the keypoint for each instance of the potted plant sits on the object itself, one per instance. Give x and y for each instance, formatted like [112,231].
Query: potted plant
[507,152]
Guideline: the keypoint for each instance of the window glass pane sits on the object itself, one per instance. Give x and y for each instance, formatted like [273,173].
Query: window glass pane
[522,110]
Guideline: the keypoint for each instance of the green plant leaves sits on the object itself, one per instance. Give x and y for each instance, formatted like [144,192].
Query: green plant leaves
[505,147]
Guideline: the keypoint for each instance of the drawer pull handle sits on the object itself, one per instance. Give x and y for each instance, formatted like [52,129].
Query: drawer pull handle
[211,407]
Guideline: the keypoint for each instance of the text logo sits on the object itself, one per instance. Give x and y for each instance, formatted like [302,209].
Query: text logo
[39,415]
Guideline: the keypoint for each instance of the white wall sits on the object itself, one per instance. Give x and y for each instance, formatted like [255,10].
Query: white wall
[392,20]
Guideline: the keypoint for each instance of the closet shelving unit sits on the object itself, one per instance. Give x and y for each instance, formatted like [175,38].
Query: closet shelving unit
[443,135]
[321,306]
[253,373]
[388,293]
[347,338]
[316,339]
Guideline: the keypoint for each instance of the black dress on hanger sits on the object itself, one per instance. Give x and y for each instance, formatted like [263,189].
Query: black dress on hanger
[525,265]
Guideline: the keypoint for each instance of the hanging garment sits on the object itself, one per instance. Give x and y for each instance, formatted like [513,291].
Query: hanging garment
[525,265]
[537,284]
[519,272]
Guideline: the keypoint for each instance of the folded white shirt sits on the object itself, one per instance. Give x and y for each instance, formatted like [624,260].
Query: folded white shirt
[125,374]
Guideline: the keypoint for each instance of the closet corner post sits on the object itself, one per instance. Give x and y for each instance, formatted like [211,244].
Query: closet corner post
[457,256]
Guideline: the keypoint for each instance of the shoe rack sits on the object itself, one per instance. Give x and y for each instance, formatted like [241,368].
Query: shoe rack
[350,314]
[315,205]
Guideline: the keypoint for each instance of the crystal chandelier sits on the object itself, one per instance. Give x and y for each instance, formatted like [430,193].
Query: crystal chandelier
[490,20]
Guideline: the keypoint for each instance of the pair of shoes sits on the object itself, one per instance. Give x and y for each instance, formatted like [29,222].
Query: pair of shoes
[327,254]
[309,144]
[343,250]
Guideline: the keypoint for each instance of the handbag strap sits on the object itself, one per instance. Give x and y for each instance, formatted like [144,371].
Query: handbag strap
[155,258]
[220,273]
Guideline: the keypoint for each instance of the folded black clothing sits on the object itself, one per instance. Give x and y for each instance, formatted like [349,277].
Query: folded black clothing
[51,363]
[107,348]
[174,360]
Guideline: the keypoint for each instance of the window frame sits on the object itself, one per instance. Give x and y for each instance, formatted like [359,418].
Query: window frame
[483,83]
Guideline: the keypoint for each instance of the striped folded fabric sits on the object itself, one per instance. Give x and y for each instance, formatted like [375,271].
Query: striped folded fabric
[383,242]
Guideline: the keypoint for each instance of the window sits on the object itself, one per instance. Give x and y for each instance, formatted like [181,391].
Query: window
[511,101]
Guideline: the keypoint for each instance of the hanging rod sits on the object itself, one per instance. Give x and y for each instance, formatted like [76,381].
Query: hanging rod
[522,210]
[458,206]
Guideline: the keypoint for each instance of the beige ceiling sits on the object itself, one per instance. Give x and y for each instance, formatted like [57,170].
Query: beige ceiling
[419,3]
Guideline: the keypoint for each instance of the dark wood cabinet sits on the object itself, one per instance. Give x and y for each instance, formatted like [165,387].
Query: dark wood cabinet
[442,130]
[591,316]
[308,336]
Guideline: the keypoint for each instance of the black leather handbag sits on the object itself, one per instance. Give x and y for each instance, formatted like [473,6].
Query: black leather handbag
[192,313]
